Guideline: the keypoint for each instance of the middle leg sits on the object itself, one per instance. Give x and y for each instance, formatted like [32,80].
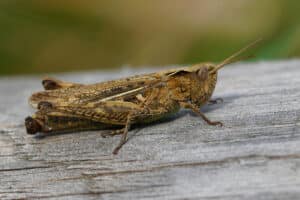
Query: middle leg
[215,101]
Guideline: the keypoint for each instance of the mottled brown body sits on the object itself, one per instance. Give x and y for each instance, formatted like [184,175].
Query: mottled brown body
[65,107]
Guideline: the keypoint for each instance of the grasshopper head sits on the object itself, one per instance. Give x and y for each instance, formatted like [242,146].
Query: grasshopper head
[207,76]
[203,83]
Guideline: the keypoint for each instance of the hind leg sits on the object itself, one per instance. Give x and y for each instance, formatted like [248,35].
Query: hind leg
[53,84]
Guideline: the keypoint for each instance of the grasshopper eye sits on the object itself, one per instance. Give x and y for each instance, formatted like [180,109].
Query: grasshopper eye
[203,73]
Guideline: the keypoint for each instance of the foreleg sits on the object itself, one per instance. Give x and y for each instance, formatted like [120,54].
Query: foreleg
[196,110]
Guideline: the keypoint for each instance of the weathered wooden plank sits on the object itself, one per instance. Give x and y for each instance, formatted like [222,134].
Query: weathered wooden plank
[255,156]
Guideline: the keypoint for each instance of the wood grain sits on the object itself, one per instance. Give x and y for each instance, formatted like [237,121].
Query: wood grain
[255,156]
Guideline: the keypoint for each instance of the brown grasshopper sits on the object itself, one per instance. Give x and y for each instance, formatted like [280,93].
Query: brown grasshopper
[66,107]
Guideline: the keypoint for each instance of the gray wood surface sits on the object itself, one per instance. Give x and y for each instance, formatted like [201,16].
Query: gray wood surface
[255,156]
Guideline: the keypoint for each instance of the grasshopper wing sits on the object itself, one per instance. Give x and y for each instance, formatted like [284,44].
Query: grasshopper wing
[93,92]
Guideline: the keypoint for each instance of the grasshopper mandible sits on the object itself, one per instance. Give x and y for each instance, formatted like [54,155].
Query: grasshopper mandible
[66,107]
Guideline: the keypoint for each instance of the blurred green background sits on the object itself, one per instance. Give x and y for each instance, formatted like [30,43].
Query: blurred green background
[53,36]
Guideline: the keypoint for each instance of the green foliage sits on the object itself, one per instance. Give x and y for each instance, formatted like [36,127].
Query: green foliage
[47,36]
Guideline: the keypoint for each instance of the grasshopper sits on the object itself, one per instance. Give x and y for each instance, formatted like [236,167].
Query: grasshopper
[117,104]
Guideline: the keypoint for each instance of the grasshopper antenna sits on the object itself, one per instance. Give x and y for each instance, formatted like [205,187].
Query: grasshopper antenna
[231,58]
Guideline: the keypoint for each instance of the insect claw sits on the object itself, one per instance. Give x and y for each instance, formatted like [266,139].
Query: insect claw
[219,100]
[103,135]
[112,133]
[217,124]
[216,101]
[116,150]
